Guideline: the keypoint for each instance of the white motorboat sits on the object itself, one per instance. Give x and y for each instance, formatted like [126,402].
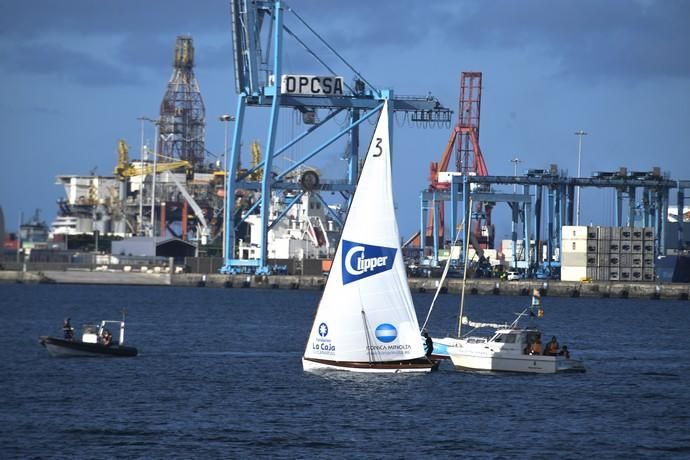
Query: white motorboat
[366,321]
[509,348]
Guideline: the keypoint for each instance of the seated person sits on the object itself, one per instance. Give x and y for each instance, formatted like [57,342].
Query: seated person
[564,352]
[551,347]
[536,347]
[107,337]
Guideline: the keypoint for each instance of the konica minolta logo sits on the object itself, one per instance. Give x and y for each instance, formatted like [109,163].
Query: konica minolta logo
[362,260]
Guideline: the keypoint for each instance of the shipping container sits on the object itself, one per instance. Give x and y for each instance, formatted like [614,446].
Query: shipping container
[636,261]
[625,274]
[592,233]
[636,274]
[573,273]
[604,233]
[575,246]
[648,234]
[615,233]
[637,234]
[593,273]
[614,274]
[614,261]
[636,247]
[626,247]
[603,260]
[573,259]
[592,246]
[648,274]
[625,260]
[614,247]
[574,232]
[626,234]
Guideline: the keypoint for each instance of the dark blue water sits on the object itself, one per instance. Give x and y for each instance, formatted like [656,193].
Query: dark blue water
[219,376]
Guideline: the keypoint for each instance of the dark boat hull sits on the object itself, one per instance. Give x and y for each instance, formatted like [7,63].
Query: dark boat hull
[414,365]
[71,348]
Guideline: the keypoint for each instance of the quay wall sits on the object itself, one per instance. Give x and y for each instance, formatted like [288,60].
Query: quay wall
[556,288]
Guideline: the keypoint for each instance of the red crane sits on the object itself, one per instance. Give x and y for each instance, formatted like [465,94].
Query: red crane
[469,160]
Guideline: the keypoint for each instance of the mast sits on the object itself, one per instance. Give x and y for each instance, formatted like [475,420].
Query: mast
[464,275]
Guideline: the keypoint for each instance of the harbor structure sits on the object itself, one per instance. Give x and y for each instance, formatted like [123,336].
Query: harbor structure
[317,96]
[170,191]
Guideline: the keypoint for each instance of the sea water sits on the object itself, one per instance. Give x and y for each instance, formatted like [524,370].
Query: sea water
[219,375]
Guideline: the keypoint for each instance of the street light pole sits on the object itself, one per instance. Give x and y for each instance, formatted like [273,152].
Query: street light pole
[513,234]
[225,119]
[141,179]
[153,183]
[515,162]
[579,134]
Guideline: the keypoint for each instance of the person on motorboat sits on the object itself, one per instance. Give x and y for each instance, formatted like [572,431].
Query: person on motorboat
[536,347]
[107,337]
[67,330]
[551,347]
[564,352]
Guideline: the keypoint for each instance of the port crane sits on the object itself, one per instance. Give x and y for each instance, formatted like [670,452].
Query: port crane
[469,160]
[258,32]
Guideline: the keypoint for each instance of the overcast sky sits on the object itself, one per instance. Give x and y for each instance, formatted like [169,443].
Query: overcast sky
[77,74]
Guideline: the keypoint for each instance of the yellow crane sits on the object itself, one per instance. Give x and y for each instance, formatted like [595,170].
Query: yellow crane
[125,168]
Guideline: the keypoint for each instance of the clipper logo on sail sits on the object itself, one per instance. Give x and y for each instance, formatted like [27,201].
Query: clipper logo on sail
[363,260]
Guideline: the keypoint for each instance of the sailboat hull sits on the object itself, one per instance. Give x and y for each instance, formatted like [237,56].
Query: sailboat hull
[416,365]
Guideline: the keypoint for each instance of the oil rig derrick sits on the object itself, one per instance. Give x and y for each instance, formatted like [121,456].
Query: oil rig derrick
[182,113]
[182,190]
[259,30]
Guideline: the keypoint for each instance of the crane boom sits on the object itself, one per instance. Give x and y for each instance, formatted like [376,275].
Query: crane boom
[125,168]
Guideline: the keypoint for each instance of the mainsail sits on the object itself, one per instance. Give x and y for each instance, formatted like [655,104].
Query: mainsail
[366,314]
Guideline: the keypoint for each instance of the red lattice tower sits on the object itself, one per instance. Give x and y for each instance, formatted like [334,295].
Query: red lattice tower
[469,158]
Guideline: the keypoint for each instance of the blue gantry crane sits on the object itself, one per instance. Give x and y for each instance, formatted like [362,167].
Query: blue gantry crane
[259,29]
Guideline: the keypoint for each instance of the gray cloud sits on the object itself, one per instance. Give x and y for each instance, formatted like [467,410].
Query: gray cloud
[31,18]
[587,39]
[594,39]
[48,59]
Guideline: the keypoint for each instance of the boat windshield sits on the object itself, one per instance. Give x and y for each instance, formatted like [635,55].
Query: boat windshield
[505,338]
[90,329]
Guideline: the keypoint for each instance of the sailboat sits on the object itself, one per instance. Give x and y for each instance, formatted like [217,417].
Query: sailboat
[366,321]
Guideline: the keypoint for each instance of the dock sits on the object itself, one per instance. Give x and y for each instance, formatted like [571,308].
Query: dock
[555,288]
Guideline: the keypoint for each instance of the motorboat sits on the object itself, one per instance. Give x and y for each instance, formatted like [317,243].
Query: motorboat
[508,348]
[96,340]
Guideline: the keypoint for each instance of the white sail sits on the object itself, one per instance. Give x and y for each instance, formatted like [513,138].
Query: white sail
[366,314]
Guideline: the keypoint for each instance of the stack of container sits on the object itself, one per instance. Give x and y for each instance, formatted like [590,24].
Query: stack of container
[574,253]
[607,254]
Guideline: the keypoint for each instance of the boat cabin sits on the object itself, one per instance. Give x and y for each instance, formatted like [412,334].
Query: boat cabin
[92,333]
[518,339]
[89,333]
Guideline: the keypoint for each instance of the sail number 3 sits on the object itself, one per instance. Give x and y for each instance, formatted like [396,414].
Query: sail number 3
[378,146]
